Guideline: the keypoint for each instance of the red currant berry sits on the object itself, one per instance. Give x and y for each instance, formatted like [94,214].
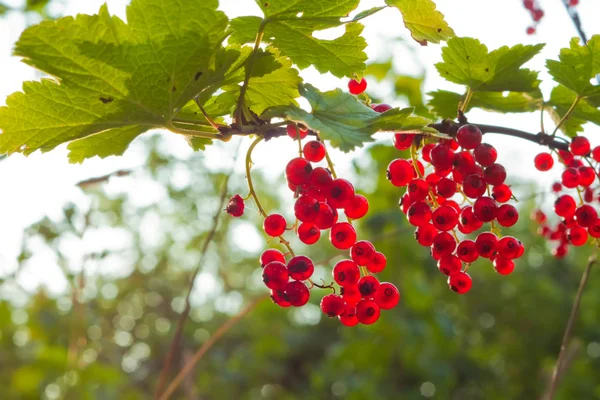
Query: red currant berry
[348,317]
[543,162]
[446,188]
[577,236]
[314,151]
[596,153]
[355,87]
[274,225]
[381,108]
[342,235]
[530,30]
[449,264]
[573,3]
[570,178]
[507,215]
[485,209]
[419,214]
[275,275]
[460,282]
[474,186]
[362,252]
[326,216]
[294,131]
[501,193]
[467,251]
[495,174]
[280,298]
[235,206]
[270,255]
[587,176]
[564,206]
[340,194]
[377,264]
[444,218]
[486,244]
[469,136]
[426,152]
[443,244]
[367,286]
[297,293]
[588,195]
[400,172]
[357,208]
[403,141]
[485,154]
[580,146]
[300,268]
[503,266]
[308,233]
[418,189]
[442,157]
[469,221]
[508,247]
[561,251]
[586,215]
[556,187]
[333,305]
[346,272]
[350,294]
[306,209]
[594,229]
[298,171]
[425,234]
[387,296]
[367,312]
[320,179]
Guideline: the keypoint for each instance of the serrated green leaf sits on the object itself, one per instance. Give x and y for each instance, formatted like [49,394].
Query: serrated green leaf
[104,144]
[379,70]
[343,120]
[577,66]
[289,26]
[115,78]
[279,86]
[367,13]
[445,104]
[562,98]
[425,23]
[468,62]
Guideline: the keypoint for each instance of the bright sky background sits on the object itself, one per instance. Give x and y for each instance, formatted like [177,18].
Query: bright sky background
[40,184]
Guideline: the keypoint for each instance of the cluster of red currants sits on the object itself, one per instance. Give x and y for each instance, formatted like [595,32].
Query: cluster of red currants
[319,196]
[578,220]
[452,196]
[536,14]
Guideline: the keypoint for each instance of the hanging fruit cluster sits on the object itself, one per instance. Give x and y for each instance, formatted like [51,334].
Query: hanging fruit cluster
[578,219]
[320,196]
[457,185]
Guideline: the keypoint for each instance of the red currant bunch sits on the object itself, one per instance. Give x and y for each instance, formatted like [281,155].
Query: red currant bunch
[536,14]
[452,191]
[576,194]
[319,199]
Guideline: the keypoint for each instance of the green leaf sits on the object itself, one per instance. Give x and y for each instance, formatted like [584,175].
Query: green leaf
[379,70]
[114,78]
[343,120]
[445,104]
[561,99]
[425,23]
[289,26]
[279,86]
[577,66]
[4,9]
[468,62]
[104,144]
[367,13]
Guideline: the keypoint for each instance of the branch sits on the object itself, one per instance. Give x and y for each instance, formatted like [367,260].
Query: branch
[569,328]
[576,21]
[450,127]
[182,318]
[207,345]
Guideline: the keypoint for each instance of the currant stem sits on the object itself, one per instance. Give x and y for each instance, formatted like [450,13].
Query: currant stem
[567,115]
[241,100]
[330,164]
[261,210]
[208,118]
[465,102]
[569,327]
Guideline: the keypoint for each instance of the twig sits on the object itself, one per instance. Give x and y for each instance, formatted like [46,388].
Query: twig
[186,311]
[569,328]
[101,179]
[187,368]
